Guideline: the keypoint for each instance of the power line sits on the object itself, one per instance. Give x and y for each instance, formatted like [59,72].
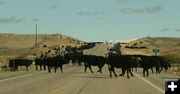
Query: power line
[36,35]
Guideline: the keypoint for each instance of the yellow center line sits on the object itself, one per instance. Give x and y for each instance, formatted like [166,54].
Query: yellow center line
[53,91]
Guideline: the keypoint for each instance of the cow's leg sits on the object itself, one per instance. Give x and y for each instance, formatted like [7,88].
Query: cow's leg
[36,67]
[166,69]
[157,70]
[61,68]
[79,63]
[85,68]
[147,73]
[100,69]
[55,67]
[131,73]
[16,68]
[160,69]
[123,72]
[110,71]
[73,62]
[143,72]
[44,67]
[49,69]
[136,68]
[41,67]
[128,73]
[26,68]
[114,72]
[11,68]
[90,68]
[152,69]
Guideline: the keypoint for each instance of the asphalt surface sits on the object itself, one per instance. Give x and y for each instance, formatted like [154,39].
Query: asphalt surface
[75,81]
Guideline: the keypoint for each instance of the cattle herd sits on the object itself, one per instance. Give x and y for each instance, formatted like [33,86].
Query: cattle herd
[114,60]
[128,62]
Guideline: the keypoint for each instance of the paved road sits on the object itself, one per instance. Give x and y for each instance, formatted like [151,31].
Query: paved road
[75,81]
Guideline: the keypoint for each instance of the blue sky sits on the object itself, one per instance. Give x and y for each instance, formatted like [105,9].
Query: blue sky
[92,20]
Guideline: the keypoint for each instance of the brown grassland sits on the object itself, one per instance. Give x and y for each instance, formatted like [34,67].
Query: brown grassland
[23,45]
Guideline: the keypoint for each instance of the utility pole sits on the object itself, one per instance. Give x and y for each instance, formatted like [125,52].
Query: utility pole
[36,36]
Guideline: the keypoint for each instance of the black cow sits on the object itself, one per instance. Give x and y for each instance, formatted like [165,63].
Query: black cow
[41,63]
[55,62]
[70,56]
[164,64]
[75,57]
[89,60]
[14,63]
[149,62]
[78,56]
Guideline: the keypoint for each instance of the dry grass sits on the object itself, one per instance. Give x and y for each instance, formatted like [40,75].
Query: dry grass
[167,46]
[23,45]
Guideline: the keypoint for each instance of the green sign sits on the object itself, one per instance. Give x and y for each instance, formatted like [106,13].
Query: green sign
[155,50]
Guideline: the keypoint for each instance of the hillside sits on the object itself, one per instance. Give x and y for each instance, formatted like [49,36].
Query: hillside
[23,45]
[168,46]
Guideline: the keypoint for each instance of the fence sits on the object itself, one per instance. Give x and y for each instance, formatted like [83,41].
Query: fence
[175,67]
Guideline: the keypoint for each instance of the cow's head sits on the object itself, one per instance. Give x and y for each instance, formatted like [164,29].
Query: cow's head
[136,60]
[167,65]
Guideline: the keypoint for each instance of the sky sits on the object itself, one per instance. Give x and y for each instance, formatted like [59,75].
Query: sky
[92,20]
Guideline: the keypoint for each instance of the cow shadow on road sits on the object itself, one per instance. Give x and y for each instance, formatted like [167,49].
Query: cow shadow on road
[93,77]
[76,72]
